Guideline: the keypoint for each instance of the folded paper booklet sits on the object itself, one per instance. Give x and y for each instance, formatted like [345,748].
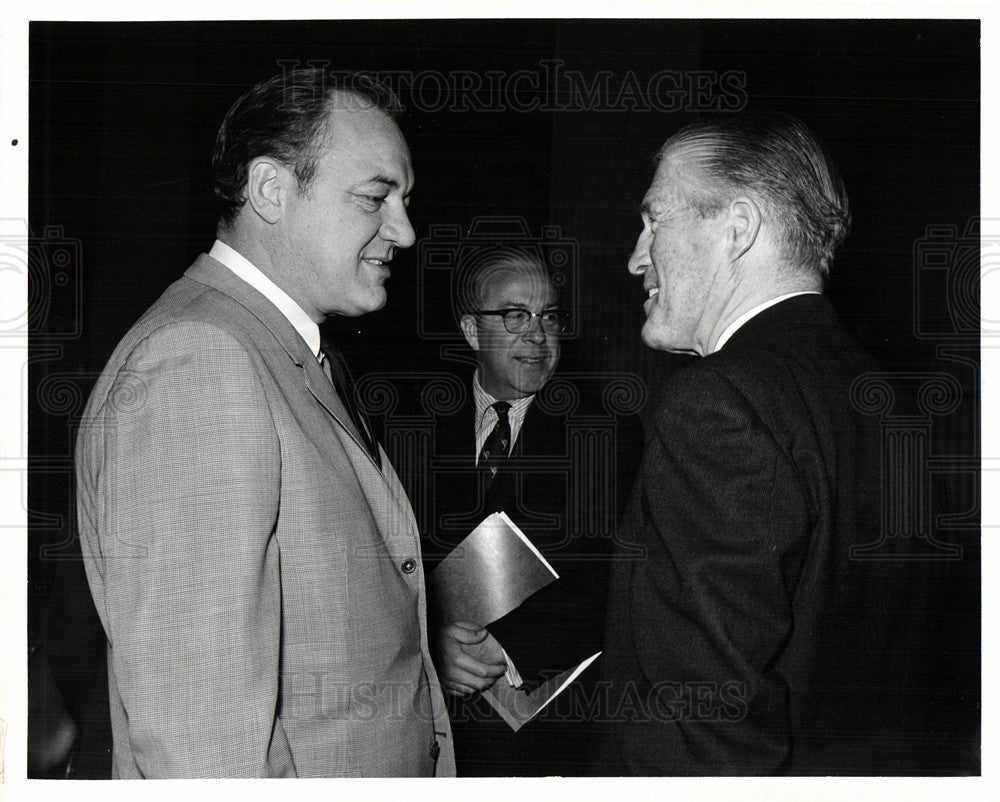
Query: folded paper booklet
[486,576]
[518,707]
[489,573]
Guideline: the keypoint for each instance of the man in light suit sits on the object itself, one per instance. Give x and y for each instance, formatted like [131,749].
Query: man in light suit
[748,639]
[251,553]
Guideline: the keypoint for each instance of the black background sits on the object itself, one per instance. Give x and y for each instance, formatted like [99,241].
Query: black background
[122,121]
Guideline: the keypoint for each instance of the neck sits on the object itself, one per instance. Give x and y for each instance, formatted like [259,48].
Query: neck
[249,246]
[255,248]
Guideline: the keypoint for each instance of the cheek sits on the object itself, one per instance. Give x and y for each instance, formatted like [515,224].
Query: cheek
[661,256]
[498,351]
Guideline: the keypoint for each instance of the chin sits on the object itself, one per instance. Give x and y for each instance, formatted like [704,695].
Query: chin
[660,340]
[648,336]
[529,382]
[376,301]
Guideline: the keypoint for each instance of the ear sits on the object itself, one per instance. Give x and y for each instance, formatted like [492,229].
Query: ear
[267,188]
[743,226]
[471,331]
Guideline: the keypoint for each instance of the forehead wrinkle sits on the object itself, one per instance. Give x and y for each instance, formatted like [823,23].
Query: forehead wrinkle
[510,303]
[512,291]
[347,142]
[662,204]
[674,189]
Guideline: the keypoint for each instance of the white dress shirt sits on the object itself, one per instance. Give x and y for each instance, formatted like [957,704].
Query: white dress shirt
[246,270]
[486,416]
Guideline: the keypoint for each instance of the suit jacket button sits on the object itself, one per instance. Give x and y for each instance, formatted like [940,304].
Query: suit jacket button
[435,750]
[409,566]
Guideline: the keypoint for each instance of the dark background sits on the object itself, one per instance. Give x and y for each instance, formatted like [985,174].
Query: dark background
[122,121]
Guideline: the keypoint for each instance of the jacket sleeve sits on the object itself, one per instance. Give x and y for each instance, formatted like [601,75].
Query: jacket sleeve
[725,522]
[189,490]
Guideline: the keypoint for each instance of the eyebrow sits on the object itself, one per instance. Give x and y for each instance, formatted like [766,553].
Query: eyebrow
[519,305]
[392,183]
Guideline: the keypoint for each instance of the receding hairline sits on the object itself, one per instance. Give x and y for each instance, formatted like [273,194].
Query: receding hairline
[778,161]
[498,279]
[690,183]
[335,113]
[482,274]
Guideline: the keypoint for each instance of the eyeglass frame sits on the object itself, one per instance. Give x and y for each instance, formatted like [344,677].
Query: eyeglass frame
[562,318]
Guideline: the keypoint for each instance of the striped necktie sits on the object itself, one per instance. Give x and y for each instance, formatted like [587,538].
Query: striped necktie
[497,446]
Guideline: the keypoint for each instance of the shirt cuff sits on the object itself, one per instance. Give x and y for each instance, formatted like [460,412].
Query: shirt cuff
[512,675]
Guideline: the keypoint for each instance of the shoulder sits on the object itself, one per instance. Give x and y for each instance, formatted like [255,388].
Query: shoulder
[701,383]
[190,320]
[166,366]
[701,408]
[159,344]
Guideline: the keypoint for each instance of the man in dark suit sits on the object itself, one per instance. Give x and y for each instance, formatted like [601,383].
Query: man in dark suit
[748,640]
[251,553]
[512,447]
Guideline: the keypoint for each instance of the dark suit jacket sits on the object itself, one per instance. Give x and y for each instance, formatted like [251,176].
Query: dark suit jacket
[571,463]
[748,640]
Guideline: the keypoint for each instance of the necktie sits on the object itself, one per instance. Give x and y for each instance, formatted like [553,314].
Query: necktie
[336,369]
[497,445]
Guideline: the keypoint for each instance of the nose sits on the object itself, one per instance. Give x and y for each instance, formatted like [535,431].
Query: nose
[639,260]
[396,227]
[534,333]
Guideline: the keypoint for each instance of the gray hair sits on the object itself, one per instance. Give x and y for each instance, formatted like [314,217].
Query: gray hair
[482,267]
[780,162]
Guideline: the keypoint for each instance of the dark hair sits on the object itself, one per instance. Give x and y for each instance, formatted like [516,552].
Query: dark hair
[779,161]
[480,267]
[286,117]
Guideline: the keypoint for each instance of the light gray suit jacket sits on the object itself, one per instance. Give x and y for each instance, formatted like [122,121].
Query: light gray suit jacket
[258,578]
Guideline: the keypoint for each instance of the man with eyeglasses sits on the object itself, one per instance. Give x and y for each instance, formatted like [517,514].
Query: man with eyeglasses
[509,449]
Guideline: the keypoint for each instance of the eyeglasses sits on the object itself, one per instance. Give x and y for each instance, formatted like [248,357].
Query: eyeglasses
[517,321]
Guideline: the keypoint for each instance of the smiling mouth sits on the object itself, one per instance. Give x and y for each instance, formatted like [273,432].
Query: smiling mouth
[651,294]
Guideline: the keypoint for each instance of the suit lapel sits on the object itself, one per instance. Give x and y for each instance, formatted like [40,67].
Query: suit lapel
[386,497]
[323,391]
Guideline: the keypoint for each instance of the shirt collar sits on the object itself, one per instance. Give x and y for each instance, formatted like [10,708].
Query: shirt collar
[486,416]
[746,316]
[252,275]
[484,401]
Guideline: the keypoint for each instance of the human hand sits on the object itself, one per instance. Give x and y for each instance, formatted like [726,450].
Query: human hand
[468,658]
